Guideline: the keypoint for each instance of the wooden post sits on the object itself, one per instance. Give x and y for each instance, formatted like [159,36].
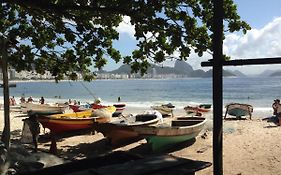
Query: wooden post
[6,132]
[217,86]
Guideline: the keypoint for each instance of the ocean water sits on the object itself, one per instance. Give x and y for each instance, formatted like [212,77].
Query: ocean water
[256,91]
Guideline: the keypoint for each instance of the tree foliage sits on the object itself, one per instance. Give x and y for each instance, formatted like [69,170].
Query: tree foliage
[67,36]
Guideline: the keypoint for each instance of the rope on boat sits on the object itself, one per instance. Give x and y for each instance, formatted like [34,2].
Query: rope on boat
[90,92]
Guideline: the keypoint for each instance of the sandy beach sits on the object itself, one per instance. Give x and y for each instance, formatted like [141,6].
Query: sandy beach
[249,146]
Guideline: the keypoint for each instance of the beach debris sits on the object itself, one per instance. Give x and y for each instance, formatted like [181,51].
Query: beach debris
[204,136]
[202,150]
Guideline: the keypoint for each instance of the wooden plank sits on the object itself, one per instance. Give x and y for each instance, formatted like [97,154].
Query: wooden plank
[117,157]
[217,42]
[10,85]
[241,62]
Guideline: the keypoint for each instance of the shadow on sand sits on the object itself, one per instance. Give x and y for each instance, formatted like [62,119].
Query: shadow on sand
[234,118]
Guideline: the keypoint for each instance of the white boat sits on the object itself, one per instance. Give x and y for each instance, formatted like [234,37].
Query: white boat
[120,130]
[42,108]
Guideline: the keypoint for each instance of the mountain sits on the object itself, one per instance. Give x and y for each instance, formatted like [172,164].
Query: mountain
[266,73]
[183,68]
[237,73]
[180,69]
[225,73]
[124,69]
[276,74]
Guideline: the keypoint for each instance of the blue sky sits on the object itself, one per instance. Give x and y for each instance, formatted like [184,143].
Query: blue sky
[264,40]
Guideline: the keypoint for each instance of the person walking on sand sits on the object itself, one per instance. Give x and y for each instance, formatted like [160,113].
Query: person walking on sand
[119,99]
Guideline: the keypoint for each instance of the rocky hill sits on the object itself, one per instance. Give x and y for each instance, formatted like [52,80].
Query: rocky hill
[180,68]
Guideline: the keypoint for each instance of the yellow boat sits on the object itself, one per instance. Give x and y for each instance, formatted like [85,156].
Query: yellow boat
[59,123]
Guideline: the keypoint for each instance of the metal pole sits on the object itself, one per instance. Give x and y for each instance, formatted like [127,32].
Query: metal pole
[6,132]
[217,86]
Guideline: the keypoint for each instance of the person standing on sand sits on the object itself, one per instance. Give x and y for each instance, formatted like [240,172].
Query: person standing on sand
[13,101]
[22,99]
[42,100]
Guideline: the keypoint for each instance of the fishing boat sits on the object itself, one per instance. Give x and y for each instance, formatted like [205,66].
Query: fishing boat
[42,109]
[60,123]
[238,110]
[164,135]
[198,109]
[120,107]
[120,131]
[79,108]
[164,109]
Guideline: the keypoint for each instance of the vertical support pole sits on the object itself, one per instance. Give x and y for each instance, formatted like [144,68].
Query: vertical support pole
[4,57]
[217,86]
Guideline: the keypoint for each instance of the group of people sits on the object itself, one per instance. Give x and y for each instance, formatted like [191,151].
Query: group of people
[30,100]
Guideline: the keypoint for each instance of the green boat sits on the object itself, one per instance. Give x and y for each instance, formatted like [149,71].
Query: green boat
[178,130]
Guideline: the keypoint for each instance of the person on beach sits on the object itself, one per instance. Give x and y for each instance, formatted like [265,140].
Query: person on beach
[276,111]
[13,100]
[30,99]
[22,99]
[42,100]
[275,105]
[119,99]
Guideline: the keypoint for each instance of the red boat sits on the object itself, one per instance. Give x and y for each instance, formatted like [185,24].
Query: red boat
[79,108]
[197,109]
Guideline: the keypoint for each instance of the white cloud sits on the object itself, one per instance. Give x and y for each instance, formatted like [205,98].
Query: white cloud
[126,27]
[257,43]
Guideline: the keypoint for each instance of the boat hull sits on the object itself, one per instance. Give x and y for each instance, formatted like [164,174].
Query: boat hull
[60,123]
[179,130]
[119,132]
[116,135]
[162,142]
[239,110]
[119,109]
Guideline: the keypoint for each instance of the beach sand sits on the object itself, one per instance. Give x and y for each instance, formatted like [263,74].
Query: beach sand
[249,146]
